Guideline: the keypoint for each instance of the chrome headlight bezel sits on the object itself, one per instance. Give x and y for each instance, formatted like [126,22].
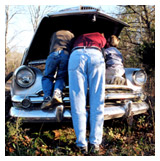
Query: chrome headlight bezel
[24,77]
[139,77]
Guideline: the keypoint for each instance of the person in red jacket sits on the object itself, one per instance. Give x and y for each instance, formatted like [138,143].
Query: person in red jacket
[87,70]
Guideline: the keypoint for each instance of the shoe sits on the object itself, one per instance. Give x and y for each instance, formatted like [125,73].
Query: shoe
[83,150]
[47,103]
[93,149]
[57,96]
[50,102]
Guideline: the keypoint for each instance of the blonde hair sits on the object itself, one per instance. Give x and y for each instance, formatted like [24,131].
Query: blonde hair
[113,41]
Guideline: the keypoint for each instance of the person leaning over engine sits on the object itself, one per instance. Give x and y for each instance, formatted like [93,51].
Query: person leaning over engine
[57,61]
[87,70]
[114,62]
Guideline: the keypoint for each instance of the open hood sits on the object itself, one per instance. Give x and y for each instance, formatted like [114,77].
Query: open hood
[79,21]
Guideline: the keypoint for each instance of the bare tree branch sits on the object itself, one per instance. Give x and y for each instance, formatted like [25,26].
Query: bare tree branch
[10,13]
[37,12]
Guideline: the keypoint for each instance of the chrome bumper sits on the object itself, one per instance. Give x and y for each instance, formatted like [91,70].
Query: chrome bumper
[60,113]
[109,96]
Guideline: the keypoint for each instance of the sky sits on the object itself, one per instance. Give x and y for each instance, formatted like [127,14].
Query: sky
[22,27]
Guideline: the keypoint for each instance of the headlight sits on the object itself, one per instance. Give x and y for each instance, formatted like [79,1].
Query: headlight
[139,77]
[25,77]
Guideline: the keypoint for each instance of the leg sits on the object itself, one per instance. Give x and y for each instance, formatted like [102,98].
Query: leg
[62,71]
[96,94]
[61,76]
[78,92]
[47,79]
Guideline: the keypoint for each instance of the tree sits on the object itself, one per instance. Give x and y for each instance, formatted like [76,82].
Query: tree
[141,19]
[146,51]
[10,13]
[37,12]
[6,29]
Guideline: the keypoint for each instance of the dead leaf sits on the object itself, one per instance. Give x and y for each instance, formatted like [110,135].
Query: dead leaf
[11,150]
[57,134]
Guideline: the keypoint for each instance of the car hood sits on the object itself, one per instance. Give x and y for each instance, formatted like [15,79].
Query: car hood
[78,22]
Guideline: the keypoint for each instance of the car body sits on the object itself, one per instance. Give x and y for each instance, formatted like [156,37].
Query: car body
[26,88]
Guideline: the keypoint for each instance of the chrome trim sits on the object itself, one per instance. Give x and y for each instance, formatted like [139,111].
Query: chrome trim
[33,99]
[29,102]
[134,77]
[59,113]
[31,91]
[115,96]
[119,87]
[30,70]
[113,87]
[37,86]
[38,114]
[110,112]
[130,83]
[37,62]
[128,108]
[111,96]
[78,8]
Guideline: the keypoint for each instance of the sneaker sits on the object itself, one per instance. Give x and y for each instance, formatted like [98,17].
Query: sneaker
[47,103]
[83,150]
[93,149]
[57,96]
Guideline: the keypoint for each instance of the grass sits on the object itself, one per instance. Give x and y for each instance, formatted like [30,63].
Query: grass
[58,139]
[124,140]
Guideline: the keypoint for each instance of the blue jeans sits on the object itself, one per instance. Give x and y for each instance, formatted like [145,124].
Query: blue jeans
[87,70]
[56,61]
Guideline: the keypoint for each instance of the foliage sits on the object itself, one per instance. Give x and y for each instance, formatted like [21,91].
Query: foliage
[141,19]
[123,140]
[58,139]
[146,51]
[38,141]
[13,60]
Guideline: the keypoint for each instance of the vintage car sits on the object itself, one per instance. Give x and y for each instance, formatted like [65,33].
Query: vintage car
[26,89]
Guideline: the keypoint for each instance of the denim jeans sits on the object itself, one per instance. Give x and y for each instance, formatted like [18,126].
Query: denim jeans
[87,70]
[56,62]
